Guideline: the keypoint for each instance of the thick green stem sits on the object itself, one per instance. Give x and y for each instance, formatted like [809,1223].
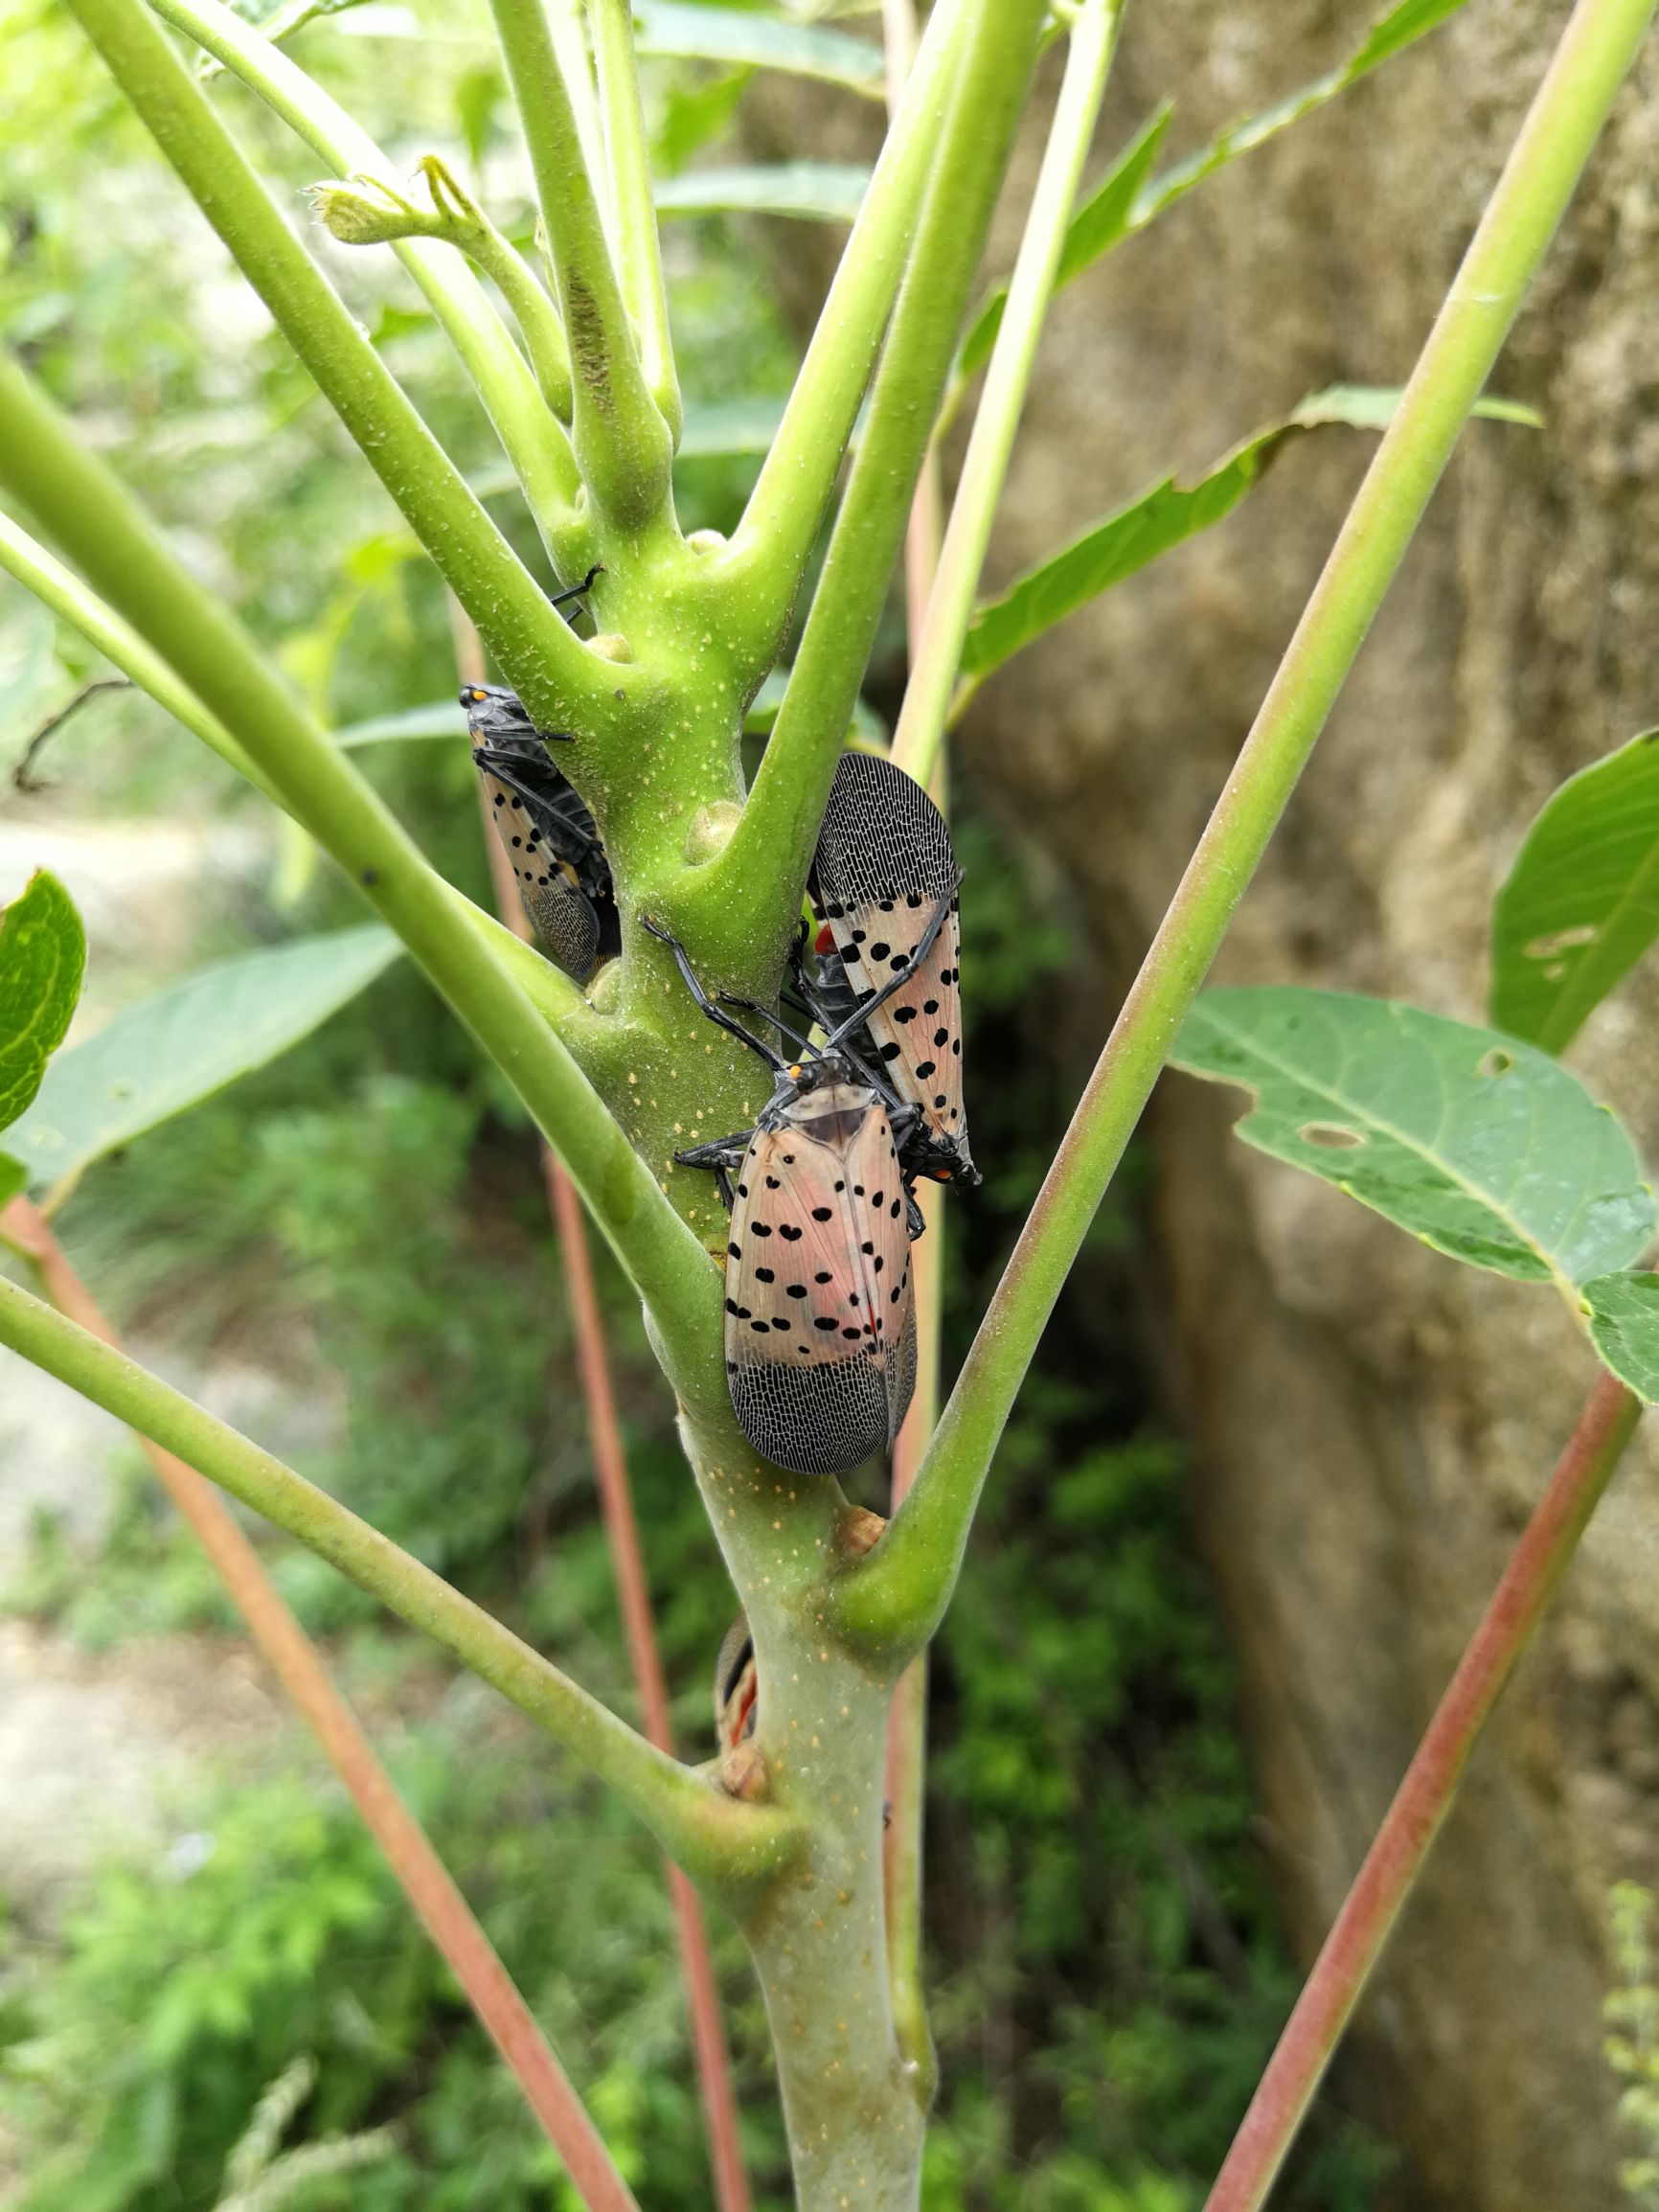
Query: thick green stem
[553,995]
[638,251]
[623,444]
[763,572]
[488,577]
[538,449]
[721,1843]
[61,591]
[901,1593]
[752,891]
[851,2096]
[432,1892]
[100,526]
[928,696]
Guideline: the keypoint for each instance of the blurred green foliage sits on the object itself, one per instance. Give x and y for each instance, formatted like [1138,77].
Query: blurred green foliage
[1632,2016]
[365,1223]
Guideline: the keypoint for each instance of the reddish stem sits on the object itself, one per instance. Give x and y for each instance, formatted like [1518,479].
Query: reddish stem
[627,1561]
[1424,1798]
[437,1904]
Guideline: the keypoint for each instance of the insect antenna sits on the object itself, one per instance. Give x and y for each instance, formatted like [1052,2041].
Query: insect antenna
[704,1002]
[896,982]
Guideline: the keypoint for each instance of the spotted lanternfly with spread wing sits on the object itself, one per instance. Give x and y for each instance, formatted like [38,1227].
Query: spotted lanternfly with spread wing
[820,1332]
[883,863]
[547,832]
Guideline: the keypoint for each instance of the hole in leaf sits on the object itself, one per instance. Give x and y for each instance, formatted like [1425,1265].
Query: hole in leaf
[1330,1137]
[1497,1062]
[1561,941]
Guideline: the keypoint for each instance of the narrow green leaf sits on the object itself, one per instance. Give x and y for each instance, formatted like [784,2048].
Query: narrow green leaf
[814,191]
[168,1053]
[1097,225]
[1481,1146]
[1162,518]
[1581,902]
[42,959]
[1128,197]
[1400,27]
[12,1177]
[1624,1312]
[441,719]
[736,38]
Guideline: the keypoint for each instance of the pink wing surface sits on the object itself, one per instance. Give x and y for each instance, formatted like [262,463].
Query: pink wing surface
[820,1324]
[558,909]
[884,861]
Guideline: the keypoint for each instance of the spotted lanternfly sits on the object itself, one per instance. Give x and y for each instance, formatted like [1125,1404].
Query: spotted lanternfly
[884,860]
[548,834]
[820,1321]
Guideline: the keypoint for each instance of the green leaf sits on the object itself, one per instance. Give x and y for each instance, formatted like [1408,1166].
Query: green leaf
[1400,27]
[732,35]
[12,1177]
[1581,902]
[167,1053]
[1100,222]
[1624,1312]
[814,191]
[1164,517]
[1481,1146]
[678,29]
[1128,198]
[42,959]
[442,718]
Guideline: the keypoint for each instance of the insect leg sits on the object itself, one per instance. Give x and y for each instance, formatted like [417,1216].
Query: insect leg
[576,590]
[867,1006]
[705,1003]
[915,1220]
[748,1005]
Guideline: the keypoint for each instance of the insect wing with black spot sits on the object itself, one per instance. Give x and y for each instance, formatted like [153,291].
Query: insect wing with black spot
[820,1320]
[884,861]
[547,832]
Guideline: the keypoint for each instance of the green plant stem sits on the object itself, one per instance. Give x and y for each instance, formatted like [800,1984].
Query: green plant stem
[522,631]
[638,254]
[538,323]
[433,1895]
[553,996]
[905,1839]
[755,885]
[537,450]
[61,589]
[721,1844]
[1424,1797]
[102,527]
[769,550]
[628,1558]
[623,445]
[901,1591]
[927,697]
